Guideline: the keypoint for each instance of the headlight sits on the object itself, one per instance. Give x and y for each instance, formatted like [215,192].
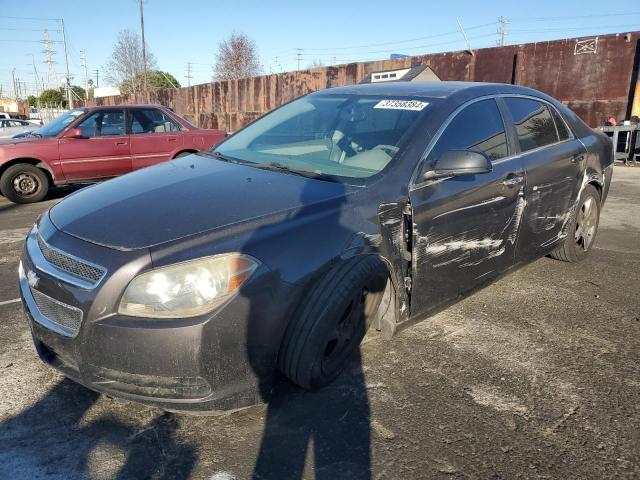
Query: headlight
[186,289]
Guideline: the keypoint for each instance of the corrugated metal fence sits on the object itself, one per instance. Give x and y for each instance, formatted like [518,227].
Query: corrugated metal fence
[595,76]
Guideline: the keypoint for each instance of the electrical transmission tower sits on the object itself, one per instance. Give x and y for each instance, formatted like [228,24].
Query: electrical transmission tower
[49,52]
[502,30]
[83,57]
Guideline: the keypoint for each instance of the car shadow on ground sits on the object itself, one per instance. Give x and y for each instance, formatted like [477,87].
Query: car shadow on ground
[332,423]
[32,441]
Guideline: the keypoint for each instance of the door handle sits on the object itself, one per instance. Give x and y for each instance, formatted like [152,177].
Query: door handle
[513,180]
[577,158]
[172,139]
[121,143]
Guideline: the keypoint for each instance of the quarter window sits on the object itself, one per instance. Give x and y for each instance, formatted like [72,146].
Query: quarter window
[103,123]
[478,127]
[534,125]
[563,132]
[151,120]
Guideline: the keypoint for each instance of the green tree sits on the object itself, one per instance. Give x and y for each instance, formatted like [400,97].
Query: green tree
[52,97]
[33,100]
[78,93]
[155,79]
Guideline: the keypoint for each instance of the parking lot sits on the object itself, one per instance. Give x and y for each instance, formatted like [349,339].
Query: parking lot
[535,376]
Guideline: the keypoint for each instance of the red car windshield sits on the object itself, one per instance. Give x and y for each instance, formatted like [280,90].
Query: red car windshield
[55,126]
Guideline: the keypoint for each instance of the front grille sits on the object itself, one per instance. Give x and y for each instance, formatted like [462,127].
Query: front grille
[65,316]
[69,264]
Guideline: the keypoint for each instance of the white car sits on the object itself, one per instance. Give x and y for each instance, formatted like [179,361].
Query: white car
[12,126]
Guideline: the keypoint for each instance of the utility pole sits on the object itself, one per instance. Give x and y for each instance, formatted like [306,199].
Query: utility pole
[35,73]
[188,75]
[144,51]
[298,56]
[464,34]
[66,66]
[15,87]
[83,56]
[96,72]
[502,31]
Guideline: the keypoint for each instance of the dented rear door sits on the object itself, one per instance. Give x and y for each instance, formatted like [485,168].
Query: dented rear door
[554,163]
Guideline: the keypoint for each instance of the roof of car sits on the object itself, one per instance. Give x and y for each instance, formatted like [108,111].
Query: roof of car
[137,105]
[423,89]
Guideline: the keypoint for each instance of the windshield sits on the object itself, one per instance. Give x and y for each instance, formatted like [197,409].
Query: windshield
[55,126]
[338,136]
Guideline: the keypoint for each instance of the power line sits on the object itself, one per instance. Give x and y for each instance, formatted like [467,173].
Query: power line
[397,42]
[562,29]
[570,17]
[30,18]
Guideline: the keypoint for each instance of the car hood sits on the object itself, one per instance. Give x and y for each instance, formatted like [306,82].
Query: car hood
[8,142]
[183,197]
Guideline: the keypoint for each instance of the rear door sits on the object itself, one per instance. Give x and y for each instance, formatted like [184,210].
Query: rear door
[465,228]
[554,163]
[104,150]
[155,137]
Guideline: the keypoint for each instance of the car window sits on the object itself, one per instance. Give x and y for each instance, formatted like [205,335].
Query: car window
[563,132]
[103,123]
[534,125]
[15,123]
[151,120]
[478,127]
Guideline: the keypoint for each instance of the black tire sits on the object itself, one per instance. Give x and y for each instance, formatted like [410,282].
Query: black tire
[329,324]
[580,240]
[24,183]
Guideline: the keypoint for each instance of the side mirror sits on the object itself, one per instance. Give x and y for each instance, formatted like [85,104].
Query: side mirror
[74,133]
[456,163]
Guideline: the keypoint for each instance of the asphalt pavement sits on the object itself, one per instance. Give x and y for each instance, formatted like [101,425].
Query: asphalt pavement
[535,376]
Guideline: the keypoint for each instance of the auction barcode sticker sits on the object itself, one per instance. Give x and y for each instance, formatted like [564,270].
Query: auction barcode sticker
[401,104]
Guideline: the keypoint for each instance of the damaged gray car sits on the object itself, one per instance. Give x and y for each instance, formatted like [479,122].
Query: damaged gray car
[193,284]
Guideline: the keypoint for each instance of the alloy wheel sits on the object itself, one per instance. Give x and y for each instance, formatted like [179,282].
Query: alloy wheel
[586,223]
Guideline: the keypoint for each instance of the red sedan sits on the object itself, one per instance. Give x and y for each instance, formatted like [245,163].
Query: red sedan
[90,144]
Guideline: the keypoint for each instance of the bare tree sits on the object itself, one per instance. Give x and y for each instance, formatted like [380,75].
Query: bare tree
[237,58]
[125,67]
[317,62]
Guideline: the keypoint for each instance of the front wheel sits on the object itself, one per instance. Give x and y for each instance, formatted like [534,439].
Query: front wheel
[24,183]
[327,328]
[582,229]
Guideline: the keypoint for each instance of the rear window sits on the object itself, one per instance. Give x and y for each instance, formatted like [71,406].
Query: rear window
[535,127]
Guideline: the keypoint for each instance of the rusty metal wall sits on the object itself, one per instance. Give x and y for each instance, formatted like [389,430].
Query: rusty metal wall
[596,84]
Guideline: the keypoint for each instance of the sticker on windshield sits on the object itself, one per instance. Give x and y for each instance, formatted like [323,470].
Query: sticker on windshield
[401,104]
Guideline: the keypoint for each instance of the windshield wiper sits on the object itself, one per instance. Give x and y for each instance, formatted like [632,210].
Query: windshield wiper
[278,167]
[217,156]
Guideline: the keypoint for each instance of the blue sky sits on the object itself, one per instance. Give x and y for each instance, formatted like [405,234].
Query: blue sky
[189,30]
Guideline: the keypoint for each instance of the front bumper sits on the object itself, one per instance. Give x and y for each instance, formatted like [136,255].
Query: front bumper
[222,361]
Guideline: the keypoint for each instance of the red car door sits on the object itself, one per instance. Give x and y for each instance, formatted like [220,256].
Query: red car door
[155,137]
[102,151]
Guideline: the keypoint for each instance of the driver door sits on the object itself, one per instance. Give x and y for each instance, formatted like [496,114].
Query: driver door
[465,228]
[103,151]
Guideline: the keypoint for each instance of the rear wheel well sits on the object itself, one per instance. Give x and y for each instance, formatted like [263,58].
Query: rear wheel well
[29,161]
[597,186]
